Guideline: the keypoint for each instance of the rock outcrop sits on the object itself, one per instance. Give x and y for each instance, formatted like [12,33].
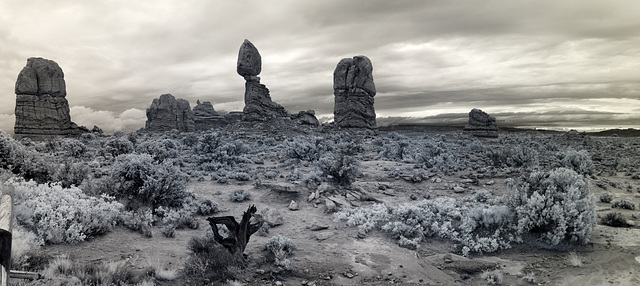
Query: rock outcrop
[354,90]
[258,105]
[306,118]
[167,113]
[481,124]
[42,111]
[205,117]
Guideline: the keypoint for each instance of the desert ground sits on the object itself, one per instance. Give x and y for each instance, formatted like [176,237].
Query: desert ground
[334,176]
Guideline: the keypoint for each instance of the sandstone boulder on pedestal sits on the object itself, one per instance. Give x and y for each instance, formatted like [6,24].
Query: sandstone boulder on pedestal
[205,117]
[354,90]
[258,105]
[481,124]
[167,113]
[42,111]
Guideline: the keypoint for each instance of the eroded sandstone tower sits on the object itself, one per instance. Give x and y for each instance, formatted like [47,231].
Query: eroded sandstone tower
[354,90]
[42,111]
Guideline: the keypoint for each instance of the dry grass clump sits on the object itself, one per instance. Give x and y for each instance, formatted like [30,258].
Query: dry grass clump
[574,260]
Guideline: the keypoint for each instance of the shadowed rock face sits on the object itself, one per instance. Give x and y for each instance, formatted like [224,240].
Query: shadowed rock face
[42,111]
[206,117]
[481,124]
[167,113]
[306,118]
[258,105]
[354,90]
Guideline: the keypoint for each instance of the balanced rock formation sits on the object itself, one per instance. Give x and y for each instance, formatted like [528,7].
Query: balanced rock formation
[354,90]
[481,124]
[167,113]
[42,111]
[258,105]
[205,117]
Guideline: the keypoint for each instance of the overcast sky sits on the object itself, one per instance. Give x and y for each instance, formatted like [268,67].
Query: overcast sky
[572,64]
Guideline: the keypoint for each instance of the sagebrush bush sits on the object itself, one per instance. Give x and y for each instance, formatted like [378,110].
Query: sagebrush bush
[239,195]
[57,214]
[341,169]
[614,219]
[139,177]
[23,161]
[623,204]
[606,198]
[280,247]
[305,149]
[579,161]
[209,260]
[556,206]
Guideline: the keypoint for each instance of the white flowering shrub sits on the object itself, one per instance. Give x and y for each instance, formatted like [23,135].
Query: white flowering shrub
[139,177]
[556,206]
[58,215]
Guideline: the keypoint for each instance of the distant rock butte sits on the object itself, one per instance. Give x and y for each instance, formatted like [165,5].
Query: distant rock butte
[205,117]
[258,105]
[167,113]
[42,111]
[354,90]
[481,124]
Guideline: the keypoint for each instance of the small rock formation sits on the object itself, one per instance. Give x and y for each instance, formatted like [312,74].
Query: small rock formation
[42,111]
[205,117]
[354,90]
[306,118]
[481,124]
[258,105]
[167,113]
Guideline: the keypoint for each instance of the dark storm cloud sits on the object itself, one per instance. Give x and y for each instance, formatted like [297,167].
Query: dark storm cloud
[429,57]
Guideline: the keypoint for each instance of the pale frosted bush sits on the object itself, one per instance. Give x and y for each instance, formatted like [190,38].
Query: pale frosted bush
[160,150]
[59,214]
[305,149]
[579,161]
[24,161]
[556,206]
[23,241]
[343,169]
[280,247]
[138,176]
[118,146]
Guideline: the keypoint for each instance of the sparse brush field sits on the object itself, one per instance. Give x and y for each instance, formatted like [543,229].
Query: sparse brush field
[340,207]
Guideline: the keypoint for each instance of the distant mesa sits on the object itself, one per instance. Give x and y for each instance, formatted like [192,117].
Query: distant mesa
[168,113]
[354,90]
[258,105]
[481,124]
[42,111]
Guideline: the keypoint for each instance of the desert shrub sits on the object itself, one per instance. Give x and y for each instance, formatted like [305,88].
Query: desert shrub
[280,247]
[209,260]
[213,147]
[207,207]
[138,220]
[71,174]
[23,161]
[340,169]
[177,218]
[516,157]
[606,198]
[118,145]
[57,214]
[556,206]
[492,277]
[614,219]
[137,176]
[73,147]
[159,150]
[23,241]
[239,195]
[305,149]
[240,176]
[579,161]
[623,204]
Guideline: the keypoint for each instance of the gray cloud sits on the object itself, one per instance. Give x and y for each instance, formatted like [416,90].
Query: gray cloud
[429,57]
